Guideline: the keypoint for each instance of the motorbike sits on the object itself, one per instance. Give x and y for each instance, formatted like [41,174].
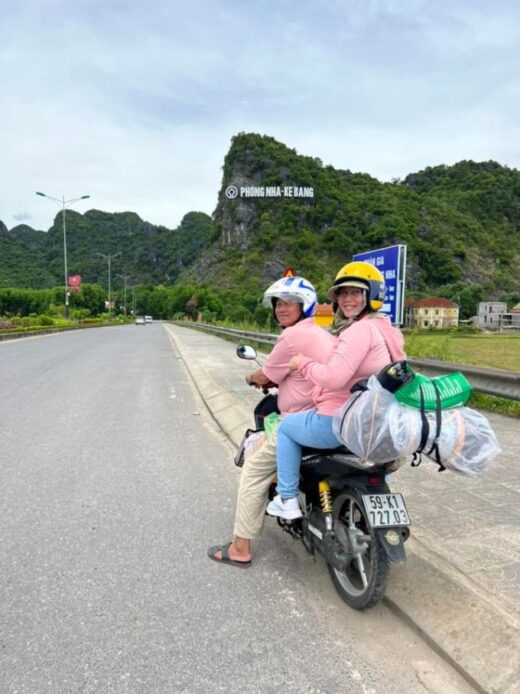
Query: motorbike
[351,517]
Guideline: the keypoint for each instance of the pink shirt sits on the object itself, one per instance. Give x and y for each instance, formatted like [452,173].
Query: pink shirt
[295,391]
[361,350]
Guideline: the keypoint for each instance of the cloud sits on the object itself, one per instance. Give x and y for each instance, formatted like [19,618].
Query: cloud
[136,105]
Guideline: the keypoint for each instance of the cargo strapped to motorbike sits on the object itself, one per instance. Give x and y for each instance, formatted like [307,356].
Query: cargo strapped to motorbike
[434,449]
[423,393]
[378,427]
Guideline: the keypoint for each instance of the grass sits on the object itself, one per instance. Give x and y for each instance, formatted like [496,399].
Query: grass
[493,351]
[481,401]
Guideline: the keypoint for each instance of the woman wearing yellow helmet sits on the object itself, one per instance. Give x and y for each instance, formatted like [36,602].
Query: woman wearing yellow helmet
[363,349]
[359,275]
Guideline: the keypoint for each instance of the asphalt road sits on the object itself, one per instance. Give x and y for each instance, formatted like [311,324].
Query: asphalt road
[113,482]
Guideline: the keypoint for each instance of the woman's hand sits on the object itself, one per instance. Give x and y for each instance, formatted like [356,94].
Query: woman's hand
[294,362]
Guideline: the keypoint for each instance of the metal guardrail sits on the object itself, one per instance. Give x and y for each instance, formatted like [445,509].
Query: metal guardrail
[264,338]
[503,384]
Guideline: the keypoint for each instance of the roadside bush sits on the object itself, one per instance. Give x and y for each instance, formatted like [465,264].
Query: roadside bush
[79,313]
[236,314]
[5,322]
[45,321]
[262,316]
[21,322]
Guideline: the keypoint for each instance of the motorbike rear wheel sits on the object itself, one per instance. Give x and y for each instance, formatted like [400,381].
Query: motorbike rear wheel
[363,582]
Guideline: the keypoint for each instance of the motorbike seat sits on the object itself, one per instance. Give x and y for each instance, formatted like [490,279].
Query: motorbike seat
[307,452]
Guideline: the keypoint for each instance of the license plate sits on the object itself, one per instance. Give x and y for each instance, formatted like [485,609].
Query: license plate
[385,510]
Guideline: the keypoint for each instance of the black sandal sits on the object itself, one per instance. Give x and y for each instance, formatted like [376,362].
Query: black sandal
[225,558]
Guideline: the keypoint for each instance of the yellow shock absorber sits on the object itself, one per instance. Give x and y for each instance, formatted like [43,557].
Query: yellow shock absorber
[325,497]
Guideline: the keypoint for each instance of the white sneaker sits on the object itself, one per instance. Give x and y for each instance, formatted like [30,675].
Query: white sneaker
[288,508]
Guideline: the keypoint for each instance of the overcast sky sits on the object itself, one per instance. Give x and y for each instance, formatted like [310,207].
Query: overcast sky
[135,103]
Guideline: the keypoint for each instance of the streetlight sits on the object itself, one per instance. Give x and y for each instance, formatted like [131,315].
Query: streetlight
[109,257]
[132,287]
[124,278]
[63,204]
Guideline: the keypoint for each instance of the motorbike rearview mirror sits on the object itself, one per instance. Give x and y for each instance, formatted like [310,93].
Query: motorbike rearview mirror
[246,352]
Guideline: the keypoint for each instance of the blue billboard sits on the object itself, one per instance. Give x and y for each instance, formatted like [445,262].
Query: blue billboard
[391,262]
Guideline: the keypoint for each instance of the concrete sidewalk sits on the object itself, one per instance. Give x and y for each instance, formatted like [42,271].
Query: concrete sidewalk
[460,586]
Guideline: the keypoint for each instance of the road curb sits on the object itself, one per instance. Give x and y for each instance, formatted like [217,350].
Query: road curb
[439,602]
[230,419]
[466,629]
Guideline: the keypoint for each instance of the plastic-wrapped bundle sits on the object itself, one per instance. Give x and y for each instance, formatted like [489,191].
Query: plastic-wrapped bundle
[378,429]
[467,444]
[371,425]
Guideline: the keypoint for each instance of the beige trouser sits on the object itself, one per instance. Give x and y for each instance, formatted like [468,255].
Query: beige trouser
[255,480]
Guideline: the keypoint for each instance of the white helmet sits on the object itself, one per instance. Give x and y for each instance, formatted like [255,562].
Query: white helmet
[296,289]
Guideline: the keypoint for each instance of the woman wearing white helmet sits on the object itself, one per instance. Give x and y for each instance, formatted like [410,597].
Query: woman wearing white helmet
[295,290]
[294,301]
[362,349]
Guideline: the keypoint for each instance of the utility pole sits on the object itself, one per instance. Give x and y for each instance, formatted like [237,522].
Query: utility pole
[109,257]
[63,204]
[124,278]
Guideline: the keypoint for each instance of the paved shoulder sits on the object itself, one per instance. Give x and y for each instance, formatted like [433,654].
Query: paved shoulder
[460,586]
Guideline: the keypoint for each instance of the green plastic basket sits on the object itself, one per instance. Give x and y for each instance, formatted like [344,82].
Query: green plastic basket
[454,391]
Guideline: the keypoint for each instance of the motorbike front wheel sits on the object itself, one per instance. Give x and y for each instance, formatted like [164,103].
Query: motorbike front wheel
[362,583]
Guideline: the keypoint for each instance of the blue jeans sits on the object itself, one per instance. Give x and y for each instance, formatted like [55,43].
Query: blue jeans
[297,430]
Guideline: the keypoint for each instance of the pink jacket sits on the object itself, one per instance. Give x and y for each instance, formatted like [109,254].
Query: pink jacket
[295,393]
[362,349]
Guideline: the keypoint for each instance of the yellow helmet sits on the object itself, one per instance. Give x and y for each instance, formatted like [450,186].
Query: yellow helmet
[363,275]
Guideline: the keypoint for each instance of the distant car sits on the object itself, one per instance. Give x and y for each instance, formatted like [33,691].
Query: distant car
[140,320]
[148,319]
